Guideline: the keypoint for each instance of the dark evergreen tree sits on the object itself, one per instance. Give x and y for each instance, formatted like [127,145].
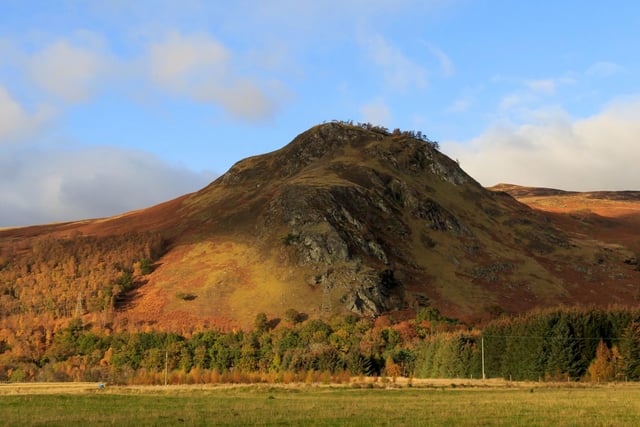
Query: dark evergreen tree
[630,350]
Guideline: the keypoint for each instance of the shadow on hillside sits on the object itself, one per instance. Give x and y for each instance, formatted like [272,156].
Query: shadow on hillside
[127,300]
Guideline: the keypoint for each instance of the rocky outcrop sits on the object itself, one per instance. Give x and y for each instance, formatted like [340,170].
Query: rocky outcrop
[354,229]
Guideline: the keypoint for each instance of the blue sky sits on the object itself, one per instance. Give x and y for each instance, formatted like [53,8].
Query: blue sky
[116,105]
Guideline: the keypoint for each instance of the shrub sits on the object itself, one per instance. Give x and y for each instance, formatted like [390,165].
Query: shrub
[289,239]
[185,296]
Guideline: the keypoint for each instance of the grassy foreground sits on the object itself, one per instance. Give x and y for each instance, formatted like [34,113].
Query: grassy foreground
[450,404]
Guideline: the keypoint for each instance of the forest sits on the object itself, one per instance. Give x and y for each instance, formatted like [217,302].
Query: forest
[564,344]
[60,298]
[56,277]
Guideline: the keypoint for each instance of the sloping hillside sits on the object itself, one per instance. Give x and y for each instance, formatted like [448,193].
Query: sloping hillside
[343,219]
[607,216]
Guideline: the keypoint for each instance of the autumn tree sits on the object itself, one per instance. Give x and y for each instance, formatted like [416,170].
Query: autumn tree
[604,366]
[391,368]
[261,322]
[292,316]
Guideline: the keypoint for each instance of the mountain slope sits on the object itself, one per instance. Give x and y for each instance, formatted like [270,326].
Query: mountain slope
[350,219]
[607,216]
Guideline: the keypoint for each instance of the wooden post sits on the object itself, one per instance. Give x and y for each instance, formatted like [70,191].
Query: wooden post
[484,377]
[166,366]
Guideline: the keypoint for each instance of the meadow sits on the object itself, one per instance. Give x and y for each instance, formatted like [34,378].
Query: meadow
[357,404]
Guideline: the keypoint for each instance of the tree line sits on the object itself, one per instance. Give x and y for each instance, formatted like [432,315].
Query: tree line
[396,132]
[561,344]
[334,348]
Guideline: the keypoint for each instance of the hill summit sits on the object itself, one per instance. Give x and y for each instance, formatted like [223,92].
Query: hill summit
[345,219]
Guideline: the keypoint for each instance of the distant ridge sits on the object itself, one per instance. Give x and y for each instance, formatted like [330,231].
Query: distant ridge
[521,191]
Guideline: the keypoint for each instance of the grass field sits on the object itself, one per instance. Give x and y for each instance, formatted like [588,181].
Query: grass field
[443,403]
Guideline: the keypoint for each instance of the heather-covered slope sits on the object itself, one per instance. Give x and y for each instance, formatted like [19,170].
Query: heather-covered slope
[606,216]
[352,219]
[343,219]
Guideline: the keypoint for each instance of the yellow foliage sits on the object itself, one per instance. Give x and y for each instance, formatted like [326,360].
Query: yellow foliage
[605,365]
[391,368]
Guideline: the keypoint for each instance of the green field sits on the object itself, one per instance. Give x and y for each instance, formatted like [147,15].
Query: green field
[447,404]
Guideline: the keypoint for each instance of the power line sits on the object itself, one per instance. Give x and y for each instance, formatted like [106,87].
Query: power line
[554,337]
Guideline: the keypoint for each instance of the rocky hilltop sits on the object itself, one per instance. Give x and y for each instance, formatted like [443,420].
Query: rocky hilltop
[356,219]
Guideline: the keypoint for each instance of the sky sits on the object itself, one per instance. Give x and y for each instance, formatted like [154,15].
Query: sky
[110,106]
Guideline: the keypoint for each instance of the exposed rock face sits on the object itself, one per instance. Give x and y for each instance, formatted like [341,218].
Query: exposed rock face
[436,217]
[337,231]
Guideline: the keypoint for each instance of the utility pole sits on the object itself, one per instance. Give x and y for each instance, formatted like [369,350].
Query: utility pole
[166,366]
[79,309]
[484,377]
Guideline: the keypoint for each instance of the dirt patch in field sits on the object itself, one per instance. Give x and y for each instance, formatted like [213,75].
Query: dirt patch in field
[48,388]
[355,383]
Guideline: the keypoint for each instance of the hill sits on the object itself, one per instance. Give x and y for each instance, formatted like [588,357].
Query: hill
[608,216]
[344,219]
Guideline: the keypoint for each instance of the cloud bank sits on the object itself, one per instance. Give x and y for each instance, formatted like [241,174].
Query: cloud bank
[594,153]
[42,186]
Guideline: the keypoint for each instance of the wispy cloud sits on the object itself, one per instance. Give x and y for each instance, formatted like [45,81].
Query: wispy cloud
[400,72]
[604,69]
[180,62]
[15,122]
[460,105]
[68,71]
[197,66]
[202,68]
[530,94]
[544,86]
[446,65]
[376,112]
[516,99]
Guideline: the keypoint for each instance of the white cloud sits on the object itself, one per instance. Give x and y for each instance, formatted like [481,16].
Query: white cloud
[530,96]
[12,117]
[468,98]
[446,65]
[400,72]
[376,112]
[460,105]
[202,68]
[546,86]
[242,98]
[596,153]
[180,62]
[517,99]
[196,66]
[67,71]
[604,69]
[39,186]
[15,121]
